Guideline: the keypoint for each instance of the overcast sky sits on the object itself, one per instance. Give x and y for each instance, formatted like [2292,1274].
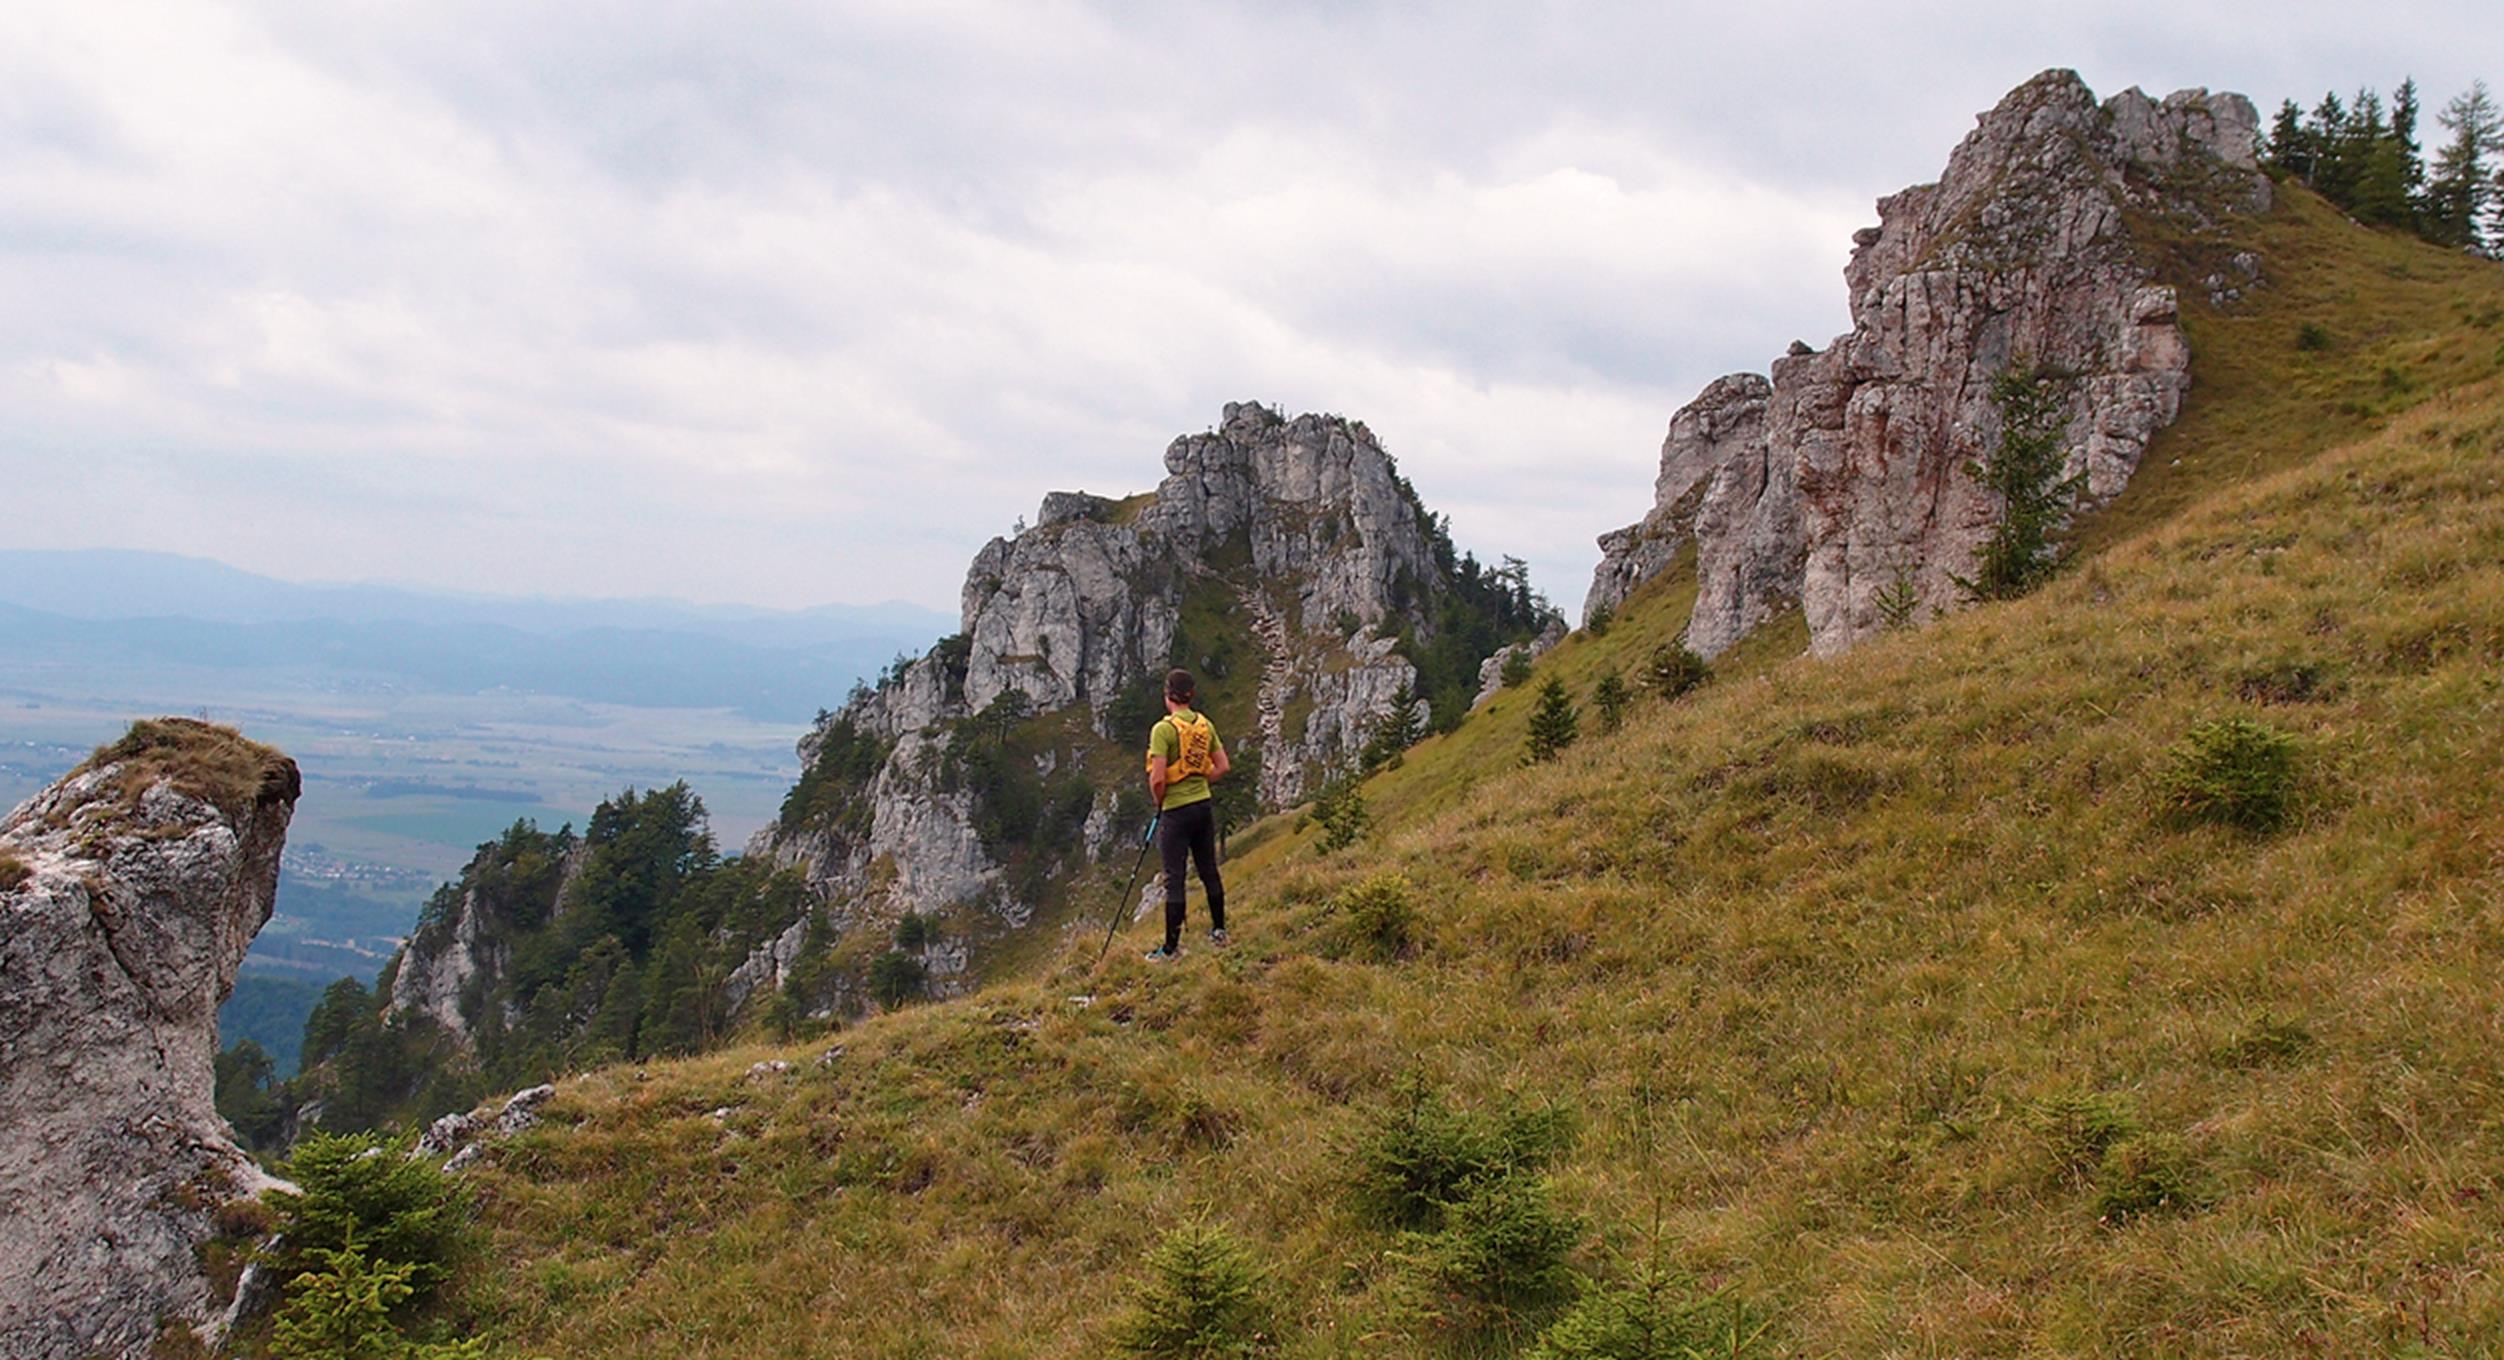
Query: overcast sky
[799,303]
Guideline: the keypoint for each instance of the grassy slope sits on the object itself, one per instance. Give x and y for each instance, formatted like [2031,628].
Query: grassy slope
[1807,952]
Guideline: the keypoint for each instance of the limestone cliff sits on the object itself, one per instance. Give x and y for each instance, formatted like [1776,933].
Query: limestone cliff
[1285,559]
[128,894]
[1850,476]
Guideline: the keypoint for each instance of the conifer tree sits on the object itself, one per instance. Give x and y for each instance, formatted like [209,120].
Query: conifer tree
[2462,189]
[1610,697]
[2329,138]
[1554,723]
[2290,148]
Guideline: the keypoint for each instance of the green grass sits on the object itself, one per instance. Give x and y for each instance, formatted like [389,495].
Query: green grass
[1884,993]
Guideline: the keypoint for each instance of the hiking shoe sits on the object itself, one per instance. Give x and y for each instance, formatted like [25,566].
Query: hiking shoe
[1162,955]
[1220,938]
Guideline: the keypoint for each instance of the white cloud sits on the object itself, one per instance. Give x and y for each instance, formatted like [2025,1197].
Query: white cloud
[792,303]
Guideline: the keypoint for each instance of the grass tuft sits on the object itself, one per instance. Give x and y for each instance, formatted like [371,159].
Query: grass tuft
[205,760]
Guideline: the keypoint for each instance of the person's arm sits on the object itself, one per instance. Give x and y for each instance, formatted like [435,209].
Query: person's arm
[1157,780]
[1223,764]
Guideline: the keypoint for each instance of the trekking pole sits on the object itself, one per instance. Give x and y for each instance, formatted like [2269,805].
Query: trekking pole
[1122,909]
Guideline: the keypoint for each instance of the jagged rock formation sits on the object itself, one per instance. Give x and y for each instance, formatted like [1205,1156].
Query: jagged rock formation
[129,892]
[1291,546]
[462,945]
[1849,475]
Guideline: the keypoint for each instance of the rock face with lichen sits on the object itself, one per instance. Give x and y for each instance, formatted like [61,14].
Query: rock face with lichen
[129,892]
[1851,476]
[1284,559]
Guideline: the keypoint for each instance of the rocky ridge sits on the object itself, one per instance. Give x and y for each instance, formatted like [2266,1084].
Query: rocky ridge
[1848,477]
[129,892]
[1295,536]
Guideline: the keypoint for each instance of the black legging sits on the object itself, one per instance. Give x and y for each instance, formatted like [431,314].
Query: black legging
[1190,830]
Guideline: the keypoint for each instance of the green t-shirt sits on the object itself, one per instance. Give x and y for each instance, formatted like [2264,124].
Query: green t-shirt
[1164,741]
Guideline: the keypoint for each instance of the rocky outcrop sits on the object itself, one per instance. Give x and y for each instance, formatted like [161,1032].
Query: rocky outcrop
[446,971]
[129,892]
[1851,474]
[1291,545]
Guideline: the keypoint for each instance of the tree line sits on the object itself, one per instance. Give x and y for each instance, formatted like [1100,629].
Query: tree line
[2365,155]
[611,945]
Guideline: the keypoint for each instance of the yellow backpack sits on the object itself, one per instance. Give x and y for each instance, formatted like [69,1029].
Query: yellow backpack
[1196,739]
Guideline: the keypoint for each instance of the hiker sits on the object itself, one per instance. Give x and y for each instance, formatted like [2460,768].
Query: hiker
[1184,755]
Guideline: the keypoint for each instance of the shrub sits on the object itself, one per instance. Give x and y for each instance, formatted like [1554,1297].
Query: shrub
[1379,919]
[2235,772]
[896,977]
[341,1309]
[2147,1174]
[2080,1129]
[355,1188]
[1654,1316]
[2312,337]
[1516,668]
[1203,1297]
[1674,670]
[13,871]
[1422,1155]
[1899,601]
[1393,733]
[1610,698]
[915,931]
[1554,724]
[1502,1248]
[1341,812]
[1601,618]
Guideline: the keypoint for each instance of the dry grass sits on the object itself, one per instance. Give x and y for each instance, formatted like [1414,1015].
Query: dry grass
[1883,989]
[214,763]
[13,871]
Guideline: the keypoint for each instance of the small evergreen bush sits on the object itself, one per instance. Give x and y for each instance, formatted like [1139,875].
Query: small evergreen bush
[1501,1249]
[1899,602]
[1340,810]
[2312,337]
[356,1188]
[2080,1129]
[341,1309]
[1601,619]
[915,931]
[1516,668]
[1387,743]
[2147,1174]
[1379,918]
[1654,1316]
[2234,772]
[896,977]
[1202,1299]
[1423,1154]
[1675,669]
[1554,724]
[1609,698]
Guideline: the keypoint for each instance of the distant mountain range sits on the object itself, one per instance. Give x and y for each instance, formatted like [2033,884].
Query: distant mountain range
[118,610]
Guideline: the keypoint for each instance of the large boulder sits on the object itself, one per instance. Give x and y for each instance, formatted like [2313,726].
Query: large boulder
[128,894]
